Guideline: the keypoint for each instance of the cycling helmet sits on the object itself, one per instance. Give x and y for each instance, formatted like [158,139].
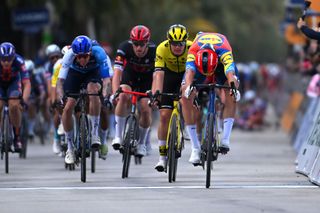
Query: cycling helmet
[206,60]
[140,33]
[177,32]
[81,45]
[7,51]
[53,50]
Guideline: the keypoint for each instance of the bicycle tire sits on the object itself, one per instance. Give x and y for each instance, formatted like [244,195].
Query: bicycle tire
[93,161]
[209,144]
[6,135]
[24,137]
[127,146]
[171,148]
[83,142]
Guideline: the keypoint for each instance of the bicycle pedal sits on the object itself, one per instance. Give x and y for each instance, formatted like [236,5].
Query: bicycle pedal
[197,164]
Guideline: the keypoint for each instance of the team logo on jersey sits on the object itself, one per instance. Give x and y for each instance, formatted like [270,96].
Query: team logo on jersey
[211,39]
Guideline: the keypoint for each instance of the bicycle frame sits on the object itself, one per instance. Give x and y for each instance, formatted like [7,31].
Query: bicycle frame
[131,131]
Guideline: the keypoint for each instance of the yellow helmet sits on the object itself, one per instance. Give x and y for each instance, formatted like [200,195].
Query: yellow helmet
[177,32]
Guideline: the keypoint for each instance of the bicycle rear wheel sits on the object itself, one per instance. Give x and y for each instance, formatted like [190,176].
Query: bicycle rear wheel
[83,142]
[171,149]
[209,143]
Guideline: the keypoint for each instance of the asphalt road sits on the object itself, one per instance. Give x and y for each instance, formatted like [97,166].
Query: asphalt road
[256,176]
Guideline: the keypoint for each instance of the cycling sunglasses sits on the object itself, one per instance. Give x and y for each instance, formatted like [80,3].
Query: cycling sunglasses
[178,43]
[7,58]
[139,43]
[85,56]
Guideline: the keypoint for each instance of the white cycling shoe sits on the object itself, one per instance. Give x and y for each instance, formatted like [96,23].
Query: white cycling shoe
[195,156]
[69,158]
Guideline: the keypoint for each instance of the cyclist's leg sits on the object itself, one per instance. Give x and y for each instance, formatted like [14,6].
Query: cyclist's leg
[94,112]
[144,125]
[104,124]
[123,104]
[165,114]
[15,112]
[189,114]
[228,114]
[121,112]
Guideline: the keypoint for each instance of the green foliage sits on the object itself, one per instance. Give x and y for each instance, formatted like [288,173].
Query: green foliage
[251,26]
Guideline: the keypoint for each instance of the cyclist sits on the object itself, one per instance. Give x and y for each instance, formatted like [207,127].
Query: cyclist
[54,99]
[133,70]
[171,57]
[83,65]
[12,74]
[210,56]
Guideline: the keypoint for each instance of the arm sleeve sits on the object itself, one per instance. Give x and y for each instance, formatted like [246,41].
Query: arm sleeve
[66,63]
[310,33]
[119,62]
[102,60]
[160,55]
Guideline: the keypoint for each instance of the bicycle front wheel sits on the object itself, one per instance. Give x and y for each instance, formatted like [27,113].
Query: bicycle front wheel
[129,136]
[83,144]
[209,143]
[7,141]
[172,161]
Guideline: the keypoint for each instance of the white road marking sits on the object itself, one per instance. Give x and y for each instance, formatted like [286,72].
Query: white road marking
[162,187]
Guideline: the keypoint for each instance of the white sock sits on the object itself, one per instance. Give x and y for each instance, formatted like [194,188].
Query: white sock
[103,134]
[94,124]
[192,132]
[69,138]
[143,135]
[227,127]
[32,122]
[120,122]
[162,143]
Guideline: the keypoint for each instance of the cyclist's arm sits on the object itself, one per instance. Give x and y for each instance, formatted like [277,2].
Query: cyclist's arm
[158,75]
[118,68]
[226,58]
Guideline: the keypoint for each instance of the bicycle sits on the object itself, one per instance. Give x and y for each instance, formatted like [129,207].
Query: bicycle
[82,142]
[175,138]
[211,142]
[131,131]
[7,133]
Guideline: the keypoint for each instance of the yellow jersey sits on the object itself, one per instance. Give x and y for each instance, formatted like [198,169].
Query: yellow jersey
[56,69]
[165,58]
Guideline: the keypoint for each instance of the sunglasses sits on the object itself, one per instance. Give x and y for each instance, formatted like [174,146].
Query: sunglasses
[139,43]
[178,43]
[85,56]
[7,58]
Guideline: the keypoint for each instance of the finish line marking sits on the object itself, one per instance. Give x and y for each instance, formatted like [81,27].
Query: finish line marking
[160,187]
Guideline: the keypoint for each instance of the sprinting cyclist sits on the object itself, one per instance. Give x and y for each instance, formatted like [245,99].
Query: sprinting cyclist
[84,64]
[209,56]
[133,70]
[12,74]
[171,57]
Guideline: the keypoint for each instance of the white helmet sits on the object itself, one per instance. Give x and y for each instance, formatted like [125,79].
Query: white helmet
[52,49]
[29,64]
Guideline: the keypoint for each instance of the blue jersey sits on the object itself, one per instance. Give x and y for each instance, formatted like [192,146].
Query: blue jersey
[98,60]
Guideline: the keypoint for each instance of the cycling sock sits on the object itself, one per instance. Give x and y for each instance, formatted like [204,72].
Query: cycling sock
[191,130]
[56,137]
[120,122]
[69,138]
[94,124]
[148,136]
[32,122]
[227,127]
[162,149]
[143,134]
[103,136]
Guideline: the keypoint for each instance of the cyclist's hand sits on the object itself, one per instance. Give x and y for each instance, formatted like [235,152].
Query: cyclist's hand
[188,91]
[234,92]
